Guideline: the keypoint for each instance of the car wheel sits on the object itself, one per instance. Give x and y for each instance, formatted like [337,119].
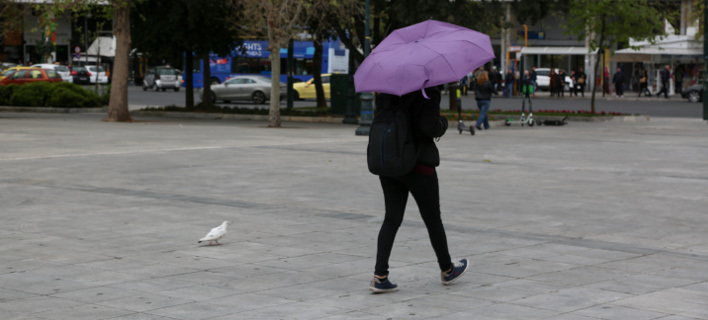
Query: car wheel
[164,89]
[212,97]
[694,96]
[177,89]
[145,88]
[258,97]
[227,101]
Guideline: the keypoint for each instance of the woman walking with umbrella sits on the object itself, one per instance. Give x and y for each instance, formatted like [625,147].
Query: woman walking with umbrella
[405,68]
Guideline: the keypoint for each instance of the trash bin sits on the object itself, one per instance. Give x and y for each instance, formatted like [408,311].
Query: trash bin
[339,90]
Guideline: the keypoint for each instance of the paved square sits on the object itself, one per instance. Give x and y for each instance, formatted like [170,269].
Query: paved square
[588,221]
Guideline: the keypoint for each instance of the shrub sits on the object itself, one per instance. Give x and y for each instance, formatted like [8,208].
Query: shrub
[59,95]
[6,94]
[65,97]
[105,97]
[30,95]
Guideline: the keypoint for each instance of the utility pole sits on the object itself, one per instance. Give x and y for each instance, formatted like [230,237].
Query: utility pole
[291,71]
[367,109]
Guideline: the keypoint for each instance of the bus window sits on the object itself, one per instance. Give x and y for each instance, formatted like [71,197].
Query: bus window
[304,66]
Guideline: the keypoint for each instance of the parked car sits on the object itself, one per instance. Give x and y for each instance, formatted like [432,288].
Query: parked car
[80,75]
[254,88]
[12,70]
[63,71]
[30,75]
[693,93]
[92,70]
[162,78]
[543,79]
[306,90]
[7,65]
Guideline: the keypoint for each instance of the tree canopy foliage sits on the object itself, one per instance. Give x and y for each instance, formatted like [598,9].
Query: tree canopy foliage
[165,28]
[608,22]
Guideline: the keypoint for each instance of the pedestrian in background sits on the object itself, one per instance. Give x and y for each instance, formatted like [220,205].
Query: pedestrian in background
[533,80]
[618,80]
[573,84]
[582,79]
[483,95]
[644,83]
[509,84]
[552,82]
[527,90]
[463,85]
[422,182]
[497,80]
[492,76]
[560,83]
[665,77]
[678,78]
[606,81]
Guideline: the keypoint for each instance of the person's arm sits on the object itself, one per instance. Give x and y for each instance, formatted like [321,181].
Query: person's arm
[430,123]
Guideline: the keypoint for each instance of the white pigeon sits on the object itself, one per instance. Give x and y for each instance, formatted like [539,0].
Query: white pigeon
[215,234]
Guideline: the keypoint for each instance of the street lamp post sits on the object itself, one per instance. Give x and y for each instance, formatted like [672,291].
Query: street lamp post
[367,109]
[350,115]
[88,16]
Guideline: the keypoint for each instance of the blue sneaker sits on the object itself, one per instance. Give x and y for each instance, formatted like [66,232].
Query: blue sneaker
[381,286]
[458,269]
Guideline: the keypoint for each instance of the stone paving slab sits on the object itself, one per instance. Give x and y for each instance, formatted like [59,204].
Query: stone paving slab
[587,221]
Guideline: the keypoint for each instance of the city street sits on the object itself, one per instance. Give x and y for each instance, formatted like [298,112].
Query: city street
[651,106]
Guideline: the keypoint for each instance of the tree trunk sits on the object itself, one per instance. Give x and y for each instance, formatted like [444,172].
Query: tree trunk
[600,53]
[274,114]
[206,90]
[189,79]
[118,105]
[317,61]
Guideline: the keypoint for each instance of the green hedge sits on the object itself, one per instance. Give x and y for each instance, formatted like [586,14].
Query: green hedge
[46,94]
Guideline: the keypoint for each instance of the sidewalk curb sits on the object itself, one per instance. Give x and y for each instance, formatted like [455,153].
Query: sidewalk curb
[225,116]
[260,117]
[53,110]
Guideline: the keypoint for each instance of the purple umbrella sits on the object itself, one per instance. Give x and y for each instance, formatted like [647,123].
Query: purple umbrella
[423,55]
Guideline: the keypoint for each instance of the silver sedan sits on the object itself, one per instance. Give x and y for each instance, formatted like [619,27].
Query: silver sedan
[254,88]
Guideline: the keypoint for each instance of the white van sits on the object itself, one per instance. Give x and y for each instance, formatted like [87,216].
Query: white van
[543,79]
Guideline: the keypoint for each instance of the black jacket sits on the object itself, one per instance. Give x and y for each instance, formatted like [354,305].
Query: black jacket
[618,78]
[483,91]
[426,121]
[509,78]
[665,76]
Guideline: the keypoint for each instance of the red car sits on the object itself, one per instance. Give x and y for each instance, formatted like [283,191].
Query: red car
[23,76]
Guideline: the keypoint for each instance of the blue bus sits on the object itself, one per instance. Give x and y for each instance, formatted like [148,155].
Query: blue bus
[256,61]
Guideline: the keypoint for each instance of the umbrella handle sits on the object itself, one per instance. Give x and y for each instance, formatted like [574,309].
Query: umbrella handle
[423,90]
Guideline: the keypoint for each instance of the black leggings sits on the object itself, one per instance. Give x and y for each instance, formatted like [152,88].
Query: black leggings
[425,191]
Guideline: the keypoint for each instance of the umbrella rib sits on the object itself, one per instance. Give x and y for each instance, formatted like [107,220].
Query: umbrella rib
[431,49]
[470,42]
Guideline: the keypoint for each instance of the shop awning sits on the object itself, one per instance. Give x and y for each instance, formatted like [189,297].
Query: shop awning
[557,50]
[106,45]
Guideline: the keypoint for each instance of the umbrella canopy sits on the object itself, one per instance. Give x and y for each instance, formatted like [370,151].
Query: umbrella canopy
[423,55]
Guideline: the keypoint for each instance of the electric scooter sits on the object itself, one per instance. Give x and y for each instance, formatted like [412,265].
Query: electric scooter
[524,120]
[461,125]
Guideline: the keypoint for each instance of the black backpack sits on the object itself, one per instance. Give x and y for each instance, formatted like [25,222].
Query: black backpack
[391,151]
